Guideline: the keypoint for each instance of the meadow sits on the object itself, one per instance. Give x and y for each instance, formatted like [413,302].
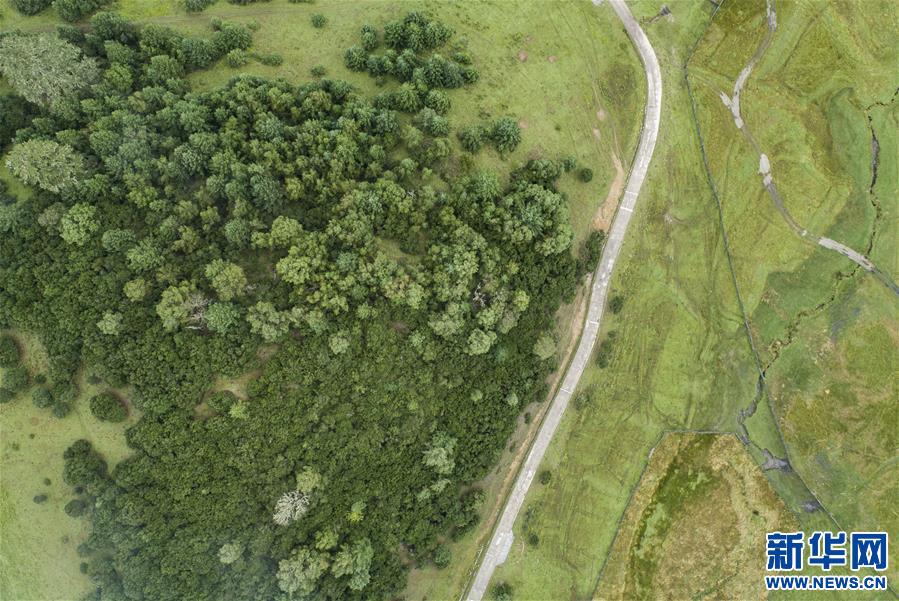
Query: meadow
[824,331]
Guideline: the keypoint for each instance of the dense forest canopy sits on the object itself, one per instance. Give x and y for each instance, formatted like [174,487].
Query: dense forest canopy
[395,303]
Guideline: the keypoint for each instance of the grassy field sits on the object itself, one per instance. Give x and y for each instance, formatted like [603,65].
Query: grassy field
[682,359]
[39,540]
[826,330]
[696,525]
[566,71]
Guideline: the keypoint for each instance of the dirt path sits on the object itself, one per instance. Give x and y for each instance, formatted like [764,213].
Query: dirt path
[603,218]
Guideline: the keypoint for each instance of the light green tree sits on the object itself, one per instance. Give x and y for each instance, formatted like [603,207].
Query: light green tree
[110,324]
[46,164]
[43,68]
[298,574]
[227,279]
[79,222]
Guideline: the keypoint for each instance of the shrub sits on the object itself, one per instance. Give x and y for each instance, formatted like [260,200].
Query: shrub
[42,397]
[442,556]
[75,508]
[9,351]
[6,395]
[533,539]
[502,592]
[569,164]
[39,499]
[16,379]
[546,477]
[273,59]
[616,304]
[61,409]
[237,58]
[586,174]
[318,71]
[505,134]
[222,401]
[195,6]
[30,7]
[107,407]
[75,10]
[472,138]
[438,101]
[319,21]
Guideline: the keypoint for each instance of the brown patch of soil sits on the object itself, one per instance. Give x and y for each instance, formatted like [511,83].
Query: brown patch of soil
[522,55]
[596,133]
[601,115]
[552,58]
[522,124]
[603,218]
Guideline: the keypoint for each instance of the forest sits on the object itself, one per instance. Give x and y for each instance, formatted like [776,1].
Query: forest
[392,299]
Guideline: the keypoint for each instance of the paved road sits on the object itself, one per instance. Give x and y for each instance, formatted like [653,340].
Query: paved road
[501,542]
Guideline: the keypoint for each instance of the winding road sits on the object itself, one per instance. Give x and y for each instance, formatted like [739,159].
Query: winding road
[501,540]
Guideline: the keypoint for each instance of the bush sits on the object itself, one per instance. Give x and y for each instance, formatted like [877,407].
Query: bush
[107,407]
[616,304]
[472,138]
[442,556]
[586,174]
[318,71]
[590,252]
[75,508]
[75,10]
[272,59]
[222,401]
[196,6]
[30,7]
[438,101]
[9,351]
[16,379]
[569,164]
[502,592]
[6,395]
[42,397]
[237,58]
[39,499]
[319,21]
[533,539]
[546,477]
[505,134]
[61,409]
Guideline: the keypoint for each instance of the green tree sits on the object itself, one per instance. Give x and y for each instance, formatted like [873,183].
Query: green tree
[79,222]
[227,279]
[221,317]
[545,347]
[46,164]
[9,351]
[43,68]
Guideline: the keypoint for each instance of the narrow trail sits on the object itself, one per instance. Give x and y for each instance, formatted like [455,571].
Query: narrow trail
[502,536]
[733,104]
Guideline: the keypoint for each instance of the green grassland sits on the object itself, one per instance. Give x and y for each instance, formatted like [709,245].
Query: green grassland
[682,359]
[566,71]
[825,329]
[39,540]
[696,525]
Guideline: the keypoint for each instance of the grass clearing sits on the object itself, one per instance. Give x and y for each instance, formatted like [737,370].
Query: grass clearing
[39,540]
[682,359]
